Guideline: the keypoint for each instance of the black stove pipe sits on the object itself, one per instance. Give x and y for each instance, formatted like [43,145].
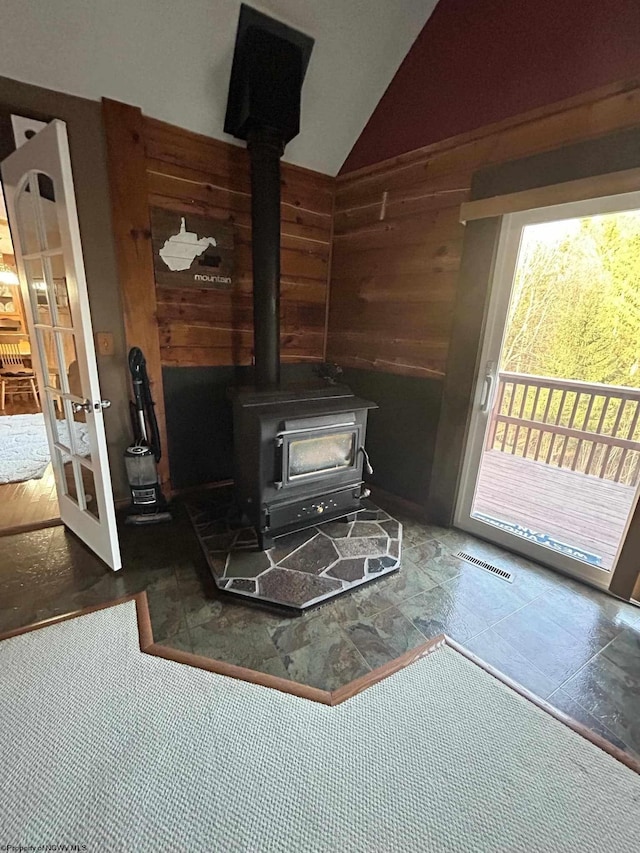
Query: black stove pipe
[269,63]
[266,147]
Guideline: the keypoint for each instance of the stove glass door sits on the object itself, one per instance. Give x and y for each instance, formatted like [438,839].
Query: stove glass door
[322,454]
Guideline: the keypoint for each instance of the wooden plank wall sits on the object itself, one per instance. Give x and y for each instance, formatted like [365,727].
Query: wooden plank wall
[197,327]
[397,239]
[124,134]
[389,232]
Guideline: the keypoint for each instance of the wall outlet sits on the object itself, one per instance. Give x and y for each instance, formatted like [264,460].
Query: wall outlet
[104,343]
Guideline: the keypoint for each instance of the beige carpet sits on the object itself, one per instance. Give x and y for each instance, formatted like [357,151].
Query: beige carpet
[105,746]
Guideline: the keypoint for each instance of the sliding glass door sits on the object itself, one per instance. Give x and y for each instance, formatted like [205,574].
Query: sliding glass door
[552,464]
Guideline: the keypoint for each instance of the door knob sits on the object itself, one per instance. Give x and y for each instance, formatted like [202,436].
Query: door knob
[87,406]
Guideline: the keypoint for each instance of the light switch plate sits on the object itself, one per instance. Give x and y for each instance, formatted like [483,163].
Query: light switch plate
[104,343]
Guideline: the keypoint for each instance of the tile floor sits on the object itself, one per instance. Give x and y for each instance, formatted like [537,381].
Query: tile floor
[573,646]
[305,567]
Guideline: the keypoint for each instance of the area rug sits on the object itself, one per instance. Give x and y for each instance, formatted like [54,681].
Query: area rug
[304,568]
[541,539]
[117,750]
[24,451]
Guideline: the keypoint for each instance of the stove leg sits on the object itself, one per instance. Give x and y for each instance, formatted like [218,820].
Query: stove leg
[349,518]
[265,541]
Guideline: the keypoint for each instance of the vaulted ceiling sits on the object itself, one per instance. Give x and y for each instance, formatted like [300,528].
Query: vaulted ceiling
[173,59]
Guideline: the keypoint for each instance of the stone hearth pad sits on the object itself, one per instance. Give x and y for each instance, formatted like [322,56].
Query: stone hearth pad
[303,568]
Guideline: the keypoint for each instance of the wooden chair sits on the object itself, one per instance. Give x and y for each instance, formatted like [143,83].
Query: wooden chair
[15,376]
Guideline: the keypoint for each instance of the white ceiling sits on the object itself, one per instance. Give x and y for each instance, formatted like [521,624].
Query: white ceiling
[173,58]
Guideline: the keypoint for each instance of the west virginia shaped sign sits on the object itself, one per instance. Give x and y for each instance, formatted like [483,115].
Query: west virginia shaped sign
[191,250]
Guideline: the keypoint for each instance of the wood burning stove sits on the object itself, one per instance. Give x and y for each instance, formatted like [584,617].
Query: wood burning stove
[299,456]
[299,453]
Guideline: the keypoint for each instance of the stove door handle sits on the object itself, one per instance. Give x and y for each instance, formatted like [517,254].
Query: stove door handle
[367,462]
[333,426]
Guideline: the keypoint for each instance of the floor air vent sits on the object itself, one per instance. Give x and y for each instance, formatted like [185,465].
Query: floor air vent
[501,573]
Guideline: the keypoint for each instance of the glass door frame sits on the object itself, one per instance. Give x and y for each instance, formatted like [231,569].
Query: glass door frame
[498,301]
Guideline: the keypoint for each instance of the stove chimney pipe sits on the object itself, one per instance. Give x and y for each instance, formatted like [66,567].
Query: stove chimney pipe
[263,108]
[265,150]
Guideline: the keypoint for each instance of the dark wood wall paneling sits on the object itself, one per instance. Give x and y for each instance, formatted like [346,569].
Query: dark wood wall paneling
[153,164]
[199,327]
[390,233]
[398,239]
[396,254]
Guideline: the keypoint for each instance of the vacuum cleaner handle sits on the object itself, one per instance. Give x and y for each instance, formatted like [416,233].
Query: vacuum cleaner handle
[144,405]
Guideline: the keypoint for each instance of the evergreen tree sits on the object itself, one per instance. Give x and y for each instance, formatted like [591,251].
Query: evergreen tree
[575,308]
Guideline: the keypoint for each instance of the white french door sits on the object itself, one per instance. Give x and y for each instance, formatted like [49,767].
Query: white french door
[42,213]
[552,463]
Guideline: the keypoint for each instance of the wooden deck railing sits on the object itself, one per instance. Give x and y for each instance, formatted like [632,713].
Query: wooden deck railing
[584,427]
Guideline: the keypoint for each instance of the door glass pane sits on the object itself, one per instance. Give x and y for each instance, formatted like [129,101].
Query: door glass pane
[49,211]
[69,428]
[561,459]
[64,464]
[38,291]
[70,374]
[55,406]
[49,358]
[88,485]
[59,349]
[59,291]
[27,222]
[322,453]
[80,431]
[43,313]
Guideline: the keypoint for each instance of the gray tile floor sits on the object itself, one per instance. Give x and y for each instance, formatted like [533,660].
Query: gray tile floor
[571,645]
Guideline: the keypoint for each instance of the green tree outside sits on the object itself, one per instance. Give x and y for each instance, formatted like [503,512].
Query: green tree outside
[575,315]
[575,308]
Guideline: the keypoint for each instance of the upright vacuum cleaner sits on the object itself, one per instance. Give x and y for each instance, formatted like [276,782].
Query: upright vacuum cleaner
[148,504]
